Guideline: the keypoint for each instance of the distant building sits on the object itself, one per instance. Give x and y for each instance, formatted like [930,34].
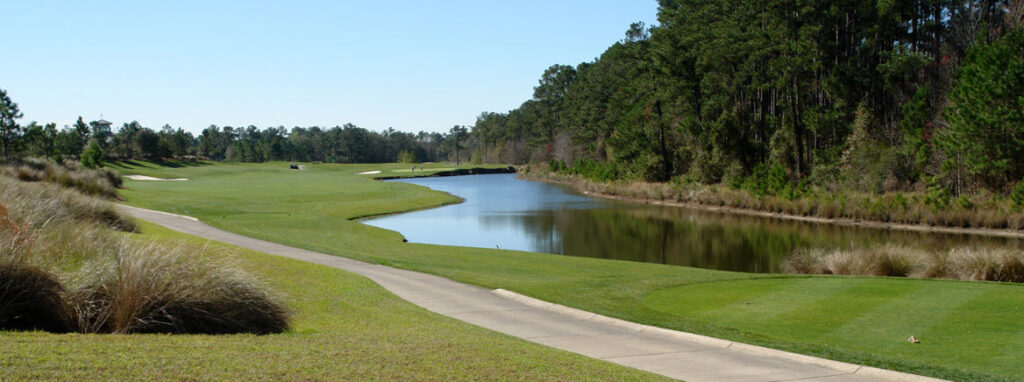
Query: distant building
[101,129]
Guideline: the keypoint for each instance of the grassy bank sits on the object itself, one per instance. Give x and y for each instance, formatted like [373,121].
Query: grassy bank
[345,327]
[984,213]
[312,209]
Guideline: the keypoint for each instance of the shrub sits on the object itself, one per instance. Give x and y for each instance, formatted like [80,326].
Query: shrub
[987,264]
[31,299]
[805,261]
[767,180]
[152,289]
[93,156]
[1018,195]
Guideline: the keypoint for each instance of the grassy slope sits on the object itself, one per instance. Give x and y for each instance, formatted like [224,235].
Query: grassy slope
[346,328]
[966,328]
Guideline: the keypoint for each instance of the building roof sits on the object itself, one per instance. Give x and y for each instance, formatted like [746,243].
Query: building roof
[103,122]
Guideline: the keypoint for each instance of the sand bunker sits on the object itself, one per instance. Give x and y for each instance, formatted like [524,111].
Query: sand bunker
[143,177]
[370,172]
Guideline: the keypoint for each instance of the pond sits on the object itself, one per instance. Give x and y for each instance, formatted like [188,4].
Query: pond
[501,211]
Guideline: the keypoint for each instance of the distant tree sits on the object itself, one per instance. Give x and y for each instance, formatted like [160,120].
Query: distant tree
[72,141]
[147,144]
[93,155]
[10,131]
[406,157]
[457,135]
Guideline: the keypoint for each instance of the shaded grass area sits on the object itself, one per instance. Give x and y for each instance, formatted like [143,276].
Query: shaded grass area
[312,209]
[345,328]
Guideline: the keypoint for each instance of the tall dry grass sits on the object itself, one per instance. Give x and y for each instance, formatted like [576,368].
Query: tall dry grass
[70,174]
[63,268]
[965,263]
[43,203]
[30,298]
[149,288]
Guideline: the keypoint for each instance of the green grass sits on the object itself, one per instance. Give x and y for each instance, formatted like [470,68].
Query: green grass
[862,320]
[346,328]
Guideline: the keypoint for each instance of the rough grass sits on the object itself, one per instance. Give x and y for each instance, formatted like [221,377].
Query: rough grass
[312,209]
[100,182]
[346,328]
[40,204]
[63,268]
[965,263]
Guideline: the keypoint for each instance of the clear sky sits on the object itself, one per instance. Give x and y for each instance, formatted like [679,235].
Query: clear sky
[411,65]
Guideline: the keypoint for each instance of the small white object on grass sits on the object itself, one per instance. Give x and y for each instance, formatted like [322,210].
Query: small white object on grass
[913,340]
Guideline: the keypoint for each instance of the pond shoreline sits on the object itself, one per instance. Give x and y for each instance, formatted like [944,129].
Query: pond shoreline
[991,232]
[456,172]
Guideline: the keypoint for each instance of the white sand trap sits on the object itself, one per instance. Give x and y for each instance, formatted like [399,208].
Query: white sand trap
[370,172]
[143,177]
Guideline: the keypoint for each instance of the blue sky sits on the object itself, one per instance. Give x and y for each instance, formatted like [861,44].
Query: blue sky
[411,65]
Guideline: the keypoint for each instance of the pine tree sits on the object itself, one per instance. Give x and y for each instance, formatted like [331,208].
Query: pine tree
[10,131]
[986,112]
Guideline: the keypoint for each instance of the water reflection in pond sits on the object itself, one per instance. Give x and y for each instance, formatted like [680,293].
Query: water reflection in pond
[508,213]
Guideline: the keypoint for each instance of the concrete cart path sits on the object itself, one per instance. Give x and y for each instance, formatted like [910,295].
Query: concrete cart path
[675,354]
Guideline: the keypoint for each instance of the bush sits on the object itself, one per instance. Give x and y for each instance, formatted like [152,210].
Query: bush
[1018,195]
[555,165]
[407,157]
[31,299]
[153,289]
[93,156]
[987,264]
[767,180]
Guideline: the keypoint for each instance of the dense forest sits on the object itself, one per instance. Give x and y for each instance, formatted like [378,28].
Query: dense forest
[870,95]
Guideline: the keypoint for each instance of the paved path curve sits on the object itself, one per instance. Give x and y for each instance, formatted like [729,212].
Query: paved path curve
[675,354]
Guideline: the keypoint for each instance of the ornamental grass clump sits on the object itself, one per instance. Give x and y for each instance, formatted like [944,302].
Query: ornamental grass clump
[965,263]
[30,298]
[149,288]
[62,268]
[991,264]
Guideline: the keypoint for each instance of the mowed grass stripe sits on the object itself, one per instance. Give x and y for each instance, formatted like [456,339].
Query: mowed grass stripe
[976,325]
[840,301]
[888,327]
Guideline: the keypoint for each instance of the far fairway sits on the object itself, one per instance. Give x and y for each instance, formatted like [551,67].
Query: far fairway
[968,330]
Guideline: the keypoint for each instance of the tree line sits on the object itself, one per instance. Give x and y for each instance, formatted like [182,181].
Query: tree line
[94,142]
[869,95]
